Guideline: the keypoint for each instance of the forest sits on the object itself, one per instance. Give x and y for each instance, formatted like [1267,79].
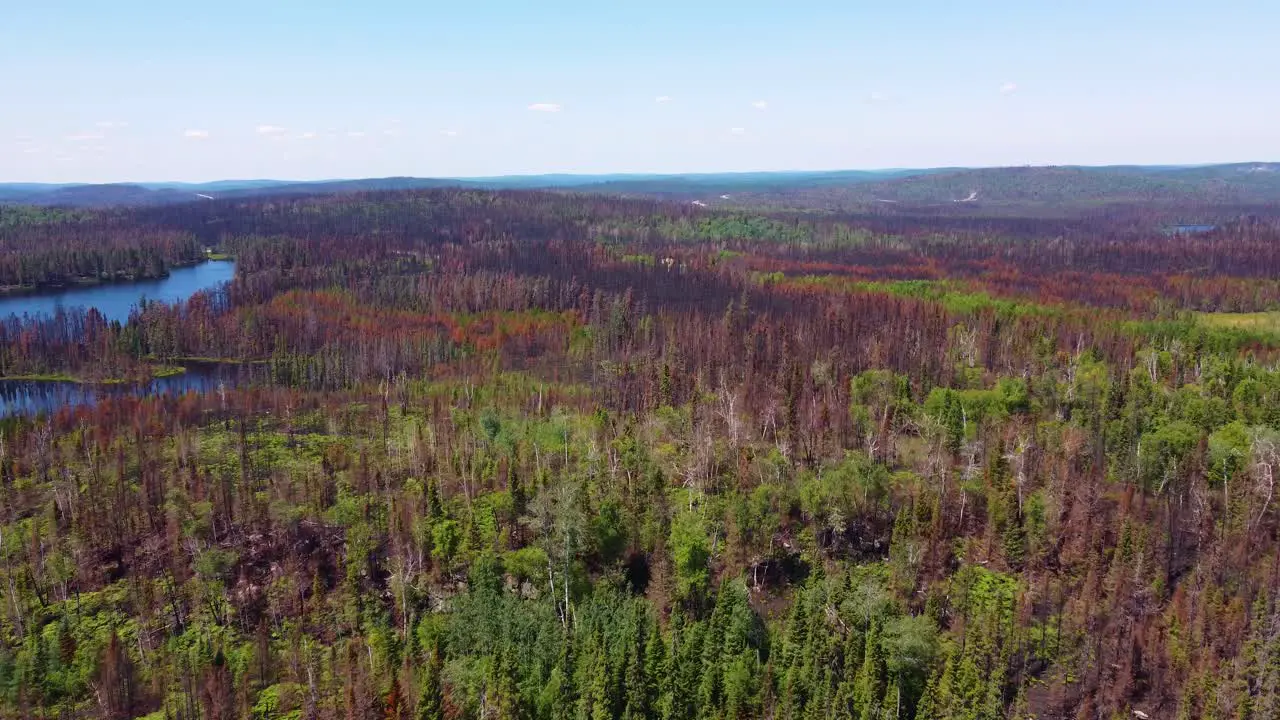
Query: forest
[535,455]
[53,247]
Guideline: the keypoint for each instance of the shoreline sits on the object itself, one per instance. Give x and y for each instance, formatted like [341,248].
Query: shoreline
[90,282]
[158,372]
[174,367]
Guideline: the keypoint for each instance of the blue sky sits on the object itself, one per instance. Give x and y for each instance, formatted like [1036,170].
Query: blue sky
[134,90]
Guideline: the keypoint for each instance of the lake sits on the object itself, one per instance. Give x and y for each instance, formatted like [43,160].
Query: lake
[116,300]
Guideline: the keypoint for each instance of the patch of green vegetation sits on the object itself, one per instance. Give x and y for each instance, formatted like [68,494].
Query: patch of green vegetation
[1217,332]
[22,215]
[955,297]
[769,278]
[1205,332]
[960,301]
[208,360]
[44,377]
[1262,323]
[645,260]
[735,227]
[157,371]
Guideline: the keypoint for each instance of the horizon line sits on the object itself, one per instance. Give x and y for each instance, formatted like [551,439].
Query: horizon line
[629,174]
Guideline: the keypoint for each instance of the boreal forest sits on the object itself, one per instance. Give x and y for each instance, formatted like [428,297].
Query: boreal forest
[549,455]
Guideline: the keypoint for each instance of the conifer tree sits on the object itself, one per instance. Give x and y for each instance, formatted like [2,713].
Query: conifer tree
[430,704]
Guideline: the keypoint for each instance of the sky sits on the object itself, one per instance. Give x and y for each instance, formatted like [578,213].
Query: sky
[151,90]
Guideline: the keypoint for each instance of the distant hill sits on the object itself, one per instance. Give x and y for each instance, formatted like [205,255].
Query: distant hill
[673,186]
[1219,184]
[828,190]
[92,195]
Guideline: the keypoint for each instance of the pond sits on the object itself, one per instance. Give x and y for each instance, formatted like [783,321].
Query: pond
[1190,229]
[116,300]
[39,397]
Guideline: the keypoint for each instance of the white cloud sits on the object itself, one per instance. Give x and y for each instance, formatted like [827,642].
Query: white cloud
[1009,88]
[449,133]
[737,131]
[196,134]
[391,133]
[876,97]
[270,130]
[662,99]
[109,124]
[307,136]
[760,105]
[355,134]
[32,150]
[86,137]
[545,107]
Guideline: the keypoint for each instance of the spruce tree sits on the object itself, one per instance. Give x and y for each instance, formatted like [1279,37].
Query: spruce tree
[657,673]
[869,692]
[431,696]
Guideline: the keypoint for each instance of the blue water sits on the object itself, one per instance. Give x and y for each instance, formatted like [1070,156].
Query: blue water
[1190,229]
[28,397]
[116,300]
